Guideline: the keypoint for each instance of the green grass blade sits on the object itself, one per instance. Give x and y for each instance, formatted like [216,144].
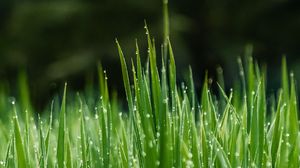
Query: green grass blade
[166,23]
[132,110]
[275,128]
[125,78]
[61,132]
[285,80]
[292,124]
[207,108]
[83,142]
[172,77]
[24,93]
[155,80]
[21,158]
[42,159]
[69,162]
[251,81]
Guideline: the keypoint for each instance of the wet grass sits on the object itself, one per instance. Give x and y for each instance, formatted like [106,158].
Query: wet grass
[165,124]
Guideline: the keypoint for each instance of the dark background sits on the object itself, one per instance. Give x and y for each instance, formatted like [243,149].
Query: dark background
[62,40]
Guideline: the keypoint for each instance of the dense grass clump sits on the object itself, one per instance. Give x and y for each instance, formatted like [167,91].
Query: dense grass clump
[166,124]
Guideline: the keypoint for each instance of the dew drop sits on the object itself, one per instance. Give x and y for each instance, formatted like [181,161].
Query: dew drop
[190,155]
[242,73]
[150,144]
[166,100]
[236,154]
[189,163]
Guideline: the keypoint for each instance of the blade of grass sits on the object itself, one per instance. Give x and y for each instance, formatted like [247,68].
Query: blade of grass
[21,158]
[61,132]
[132,110]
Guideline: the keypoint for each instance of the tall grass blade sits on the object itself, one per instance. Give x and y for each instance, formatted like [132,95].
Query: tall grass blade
[21,157]
[61,132]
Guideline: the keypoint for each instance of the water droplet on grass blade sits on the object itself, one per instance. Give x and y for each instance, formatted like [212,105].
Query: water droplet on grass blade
[166,100]
[190,155]
[150,144]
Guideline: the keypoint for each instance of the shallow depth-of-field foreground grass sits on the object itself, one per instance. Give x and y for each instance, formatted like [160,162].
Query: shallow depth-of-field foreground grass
[166,124]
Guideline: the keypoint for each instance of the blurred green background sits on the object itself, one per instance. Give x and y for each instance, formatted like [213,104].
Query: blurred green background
[62,40]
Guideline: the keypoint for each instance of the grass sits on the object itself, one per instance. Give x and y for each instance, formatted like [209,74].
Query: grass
[165,124]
